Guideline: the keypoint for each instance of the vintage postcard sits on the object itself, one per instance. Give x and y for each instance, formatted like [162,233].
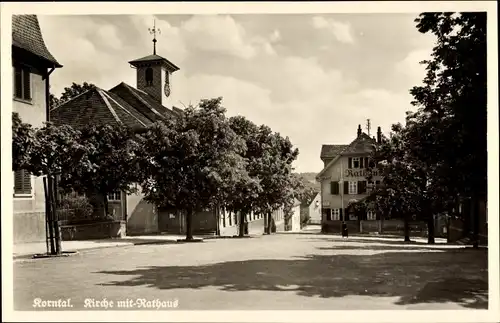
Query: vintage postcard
[253,162]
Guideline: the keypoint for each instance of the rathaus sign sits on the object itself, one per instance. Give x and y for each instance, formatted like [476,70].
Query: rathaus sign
[360,173]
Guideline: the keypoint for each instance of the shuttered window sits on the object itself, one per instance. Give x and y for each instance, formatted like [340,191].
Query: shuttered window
[22,183]
[334,188]
[22,82]
[361,187]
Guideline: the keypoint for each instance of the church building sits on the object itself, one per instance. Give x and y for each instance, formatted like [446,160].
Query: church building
[137,108]
[133,107]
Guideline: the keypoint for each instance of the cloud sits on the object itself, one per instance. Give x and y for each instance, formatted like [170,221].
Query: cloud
[409,70]
[342,31]
[298,95]
[109,36]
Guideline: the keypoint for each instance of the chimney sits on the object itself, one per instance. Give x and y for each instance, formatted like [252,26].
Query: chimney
[379,135]
[359,130]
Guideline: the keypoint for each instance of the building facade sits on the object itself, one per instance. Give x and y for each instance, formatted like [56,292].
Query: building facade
[32,65]
[314,210]
[344,181]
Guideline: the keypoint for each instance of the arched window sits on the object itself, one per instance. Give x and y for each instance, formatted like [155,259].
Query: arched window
[149,76]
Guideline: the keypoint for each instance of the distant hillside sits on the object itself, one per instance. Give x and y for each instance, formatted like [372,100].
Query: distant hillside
[309,179]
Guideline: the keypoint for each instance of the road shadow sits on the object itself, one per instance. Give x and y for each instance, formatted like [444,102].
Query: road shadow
[420,276]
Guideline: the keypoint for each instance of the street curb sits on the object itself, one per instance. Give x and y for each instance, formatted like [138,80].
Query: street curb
[33,256]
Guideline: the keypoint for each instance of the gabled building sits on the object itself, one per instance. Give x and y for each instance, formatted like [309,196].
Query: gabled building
[138,107]
[135,108]
[314,210]
[343,181]
[32,65]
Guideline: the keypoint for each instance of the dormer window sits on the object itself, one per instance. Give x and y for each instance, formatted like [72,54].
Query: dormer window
[355,162]
[149,76]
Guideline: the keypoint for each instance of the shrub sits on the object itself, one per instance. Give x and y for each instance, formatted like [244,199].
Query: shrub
[75,208]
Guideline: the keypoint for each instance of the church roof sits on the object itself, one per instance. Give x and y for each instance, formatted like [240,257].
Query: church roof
[98,106]
[123,104]
[154,58]
[26,34]
[146,104]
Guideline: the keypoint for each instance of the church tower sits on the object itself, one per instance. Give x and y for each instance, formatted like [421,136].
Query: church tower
[154,73]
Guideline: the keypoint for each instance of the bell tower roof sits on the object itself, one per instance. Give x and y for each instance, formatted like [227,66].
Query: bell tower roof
[154,59]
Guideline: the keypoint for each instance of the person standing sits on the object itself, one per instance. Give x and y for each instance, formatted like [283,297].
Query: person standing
[345,232]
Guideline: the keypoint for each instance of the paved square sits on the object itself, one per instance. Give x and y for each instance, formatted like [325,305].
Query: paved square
[280,272]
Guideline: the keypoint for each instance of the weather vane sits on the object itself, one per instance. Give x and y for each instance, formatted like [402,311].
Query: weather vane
[153,32]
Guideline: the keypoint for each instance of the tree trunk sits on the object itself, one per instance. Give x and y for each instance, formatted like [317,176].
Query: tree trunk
[217,220]
[406,228]
[55,215]
[189,225]
[48,217]
[269,222]
[430,229]
[105,204]
[242,223]
[475,221]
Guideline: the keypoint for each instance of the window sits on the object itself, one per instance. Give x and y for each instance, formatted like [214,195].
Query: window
[114,196]
[327,214]
[22,183]
[149,76]
[334,188]
[22,83]
[370,186]
[353,188]
[361,187]
[335,214]
[370,215]
[355,162]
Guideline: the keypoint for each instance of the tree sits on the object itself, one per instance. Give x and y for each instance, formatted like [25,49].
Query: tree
[439,156]
[453,96]
[69,93]
[276,173]
[112,164]
[49,151]
[194,163]
[248,188]
[23,137]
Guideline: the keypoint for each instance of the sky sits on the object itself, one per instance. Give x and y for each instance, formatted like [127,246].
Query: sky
[312,78]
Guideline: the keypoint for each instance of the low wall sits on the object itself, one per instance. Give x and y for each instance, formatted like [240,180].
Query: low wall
[91,231]
[371,226]
[29,227]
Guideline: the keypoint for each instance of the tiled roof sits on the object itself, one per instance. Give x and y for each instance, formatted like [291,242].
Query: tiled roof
[152,58]
[362,143]
[331,151]
[26,34]
[143,102]
[98,106]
